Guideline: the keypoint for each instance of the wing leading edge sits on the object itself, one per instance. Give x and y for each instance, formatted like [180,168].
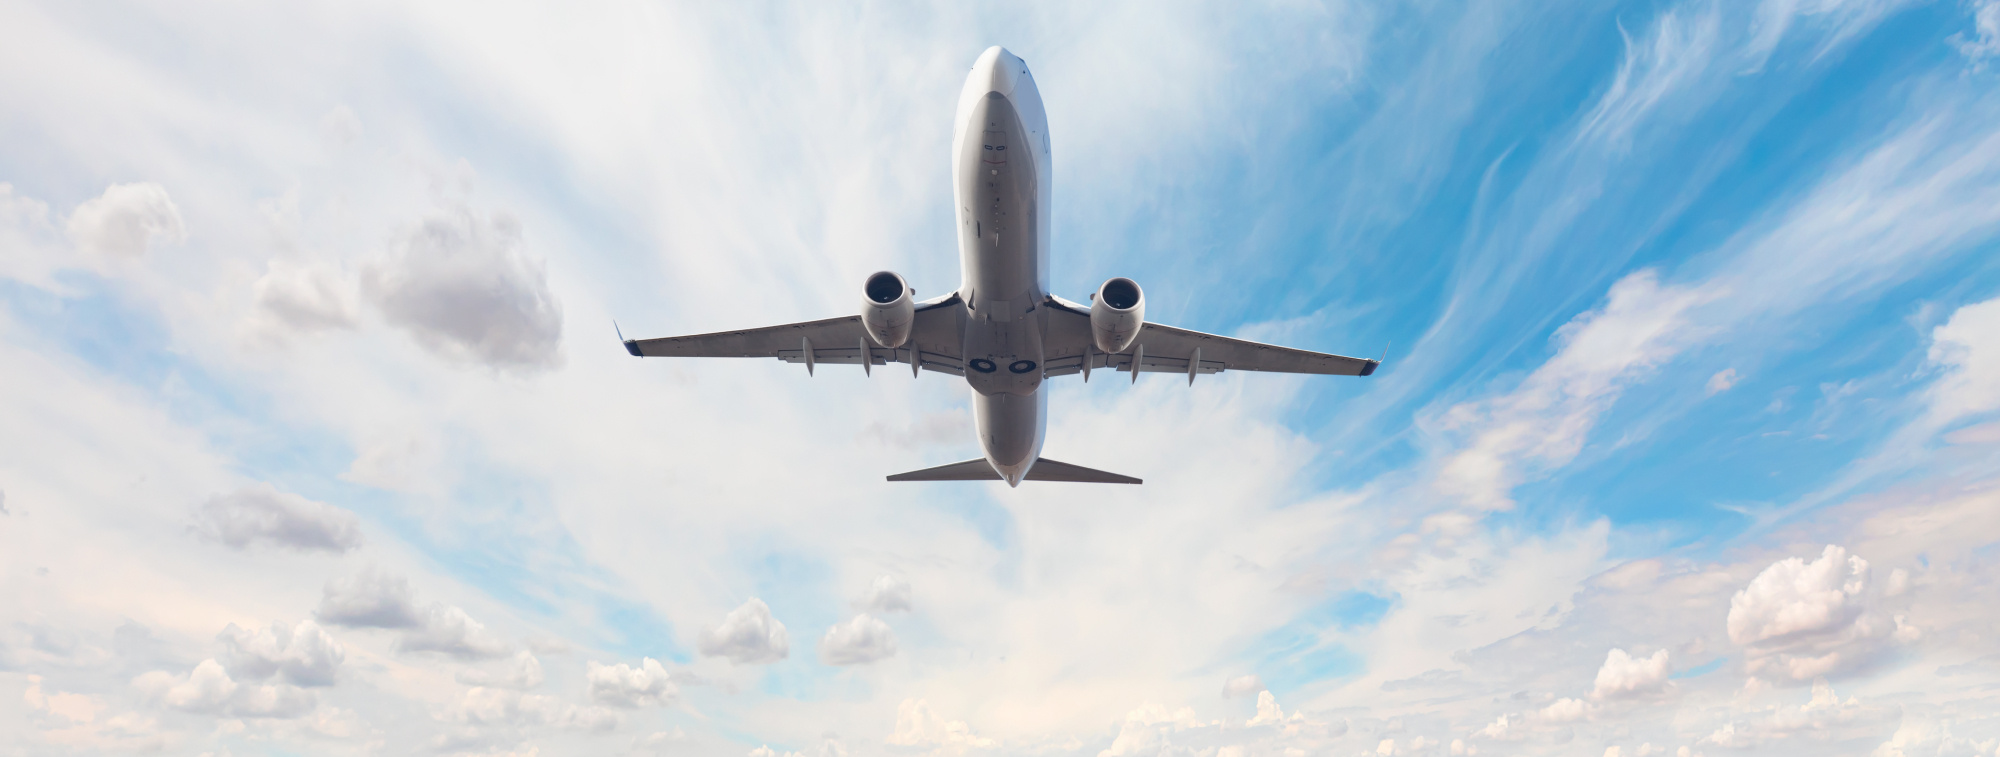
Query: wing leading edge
[933,345]
[1166,349]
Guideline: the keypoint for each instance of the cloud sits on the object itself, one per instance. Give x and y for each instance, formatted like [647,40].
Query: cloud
[259,513]
[828,748]
[1566,710]
[301,298]
[1242,686]
[887,594]
[859,641]
[372,599]
[398,459]
[918,726]
[1807,619]
[76,708]
[1677,53]
[1503,728]
[209,689]
[121,223]
[522,671]
[27,236]
[449,630]
[1966,348]
[1795,598]
[1722,381]
[1985,40]
[303,654]
[748,636]
[484,706]
[1544,422]
[1624,676]
[463,287]
[623,685]
[77,721]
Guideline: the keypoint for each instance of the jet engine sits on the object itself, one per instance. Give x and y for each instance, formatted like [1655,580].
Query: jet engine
[887,310]
[1117,311]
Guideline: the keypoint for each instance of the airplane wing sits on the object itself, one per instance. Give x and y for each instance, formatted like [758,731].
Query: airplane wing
[933,346]
[1166,349]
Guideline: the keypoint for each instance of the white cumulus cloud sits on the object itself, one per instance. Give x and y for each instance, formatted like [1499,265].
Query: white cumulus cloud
[522,671]
[449,630]
[302,654]
[1967,348]
[465,289]
[372,599]
[1566,710]
[887,594]
[210,689]
[748,635]
[1625,676]
[485,706]
[861,640]
[122,222]
[294,297]
[1242,686]
[918,726]
[260,514]
[1807,619]
[622,685]
[1795,597]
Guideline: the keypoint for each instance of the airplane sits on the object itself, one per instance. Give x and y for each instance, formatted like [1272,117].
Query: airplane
[1002,330]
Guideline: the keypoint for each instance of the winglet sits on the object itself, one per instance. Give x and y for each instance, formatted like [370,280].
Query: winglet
[1369,369]
[630,345]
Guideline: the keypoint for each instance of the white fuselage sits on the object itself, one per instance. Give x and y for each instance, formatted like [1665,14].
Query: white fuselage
[1000,179]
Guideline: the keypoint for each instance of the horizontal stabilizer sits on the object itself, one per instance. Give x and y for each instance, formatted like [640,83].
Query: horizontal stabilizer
[971,470]
[1051,470]
[1044,469]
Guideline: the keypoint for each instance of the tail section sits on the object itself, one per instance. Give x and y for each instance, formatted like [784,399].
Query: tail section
[1044,469]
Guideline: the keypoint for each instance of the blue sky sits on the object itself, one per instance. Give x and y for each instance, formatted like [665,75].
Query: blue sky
[317,440]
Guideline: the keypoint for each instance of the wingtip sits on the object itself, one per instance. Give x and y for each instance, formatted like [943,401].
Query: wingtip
[631,345]
[1369,368]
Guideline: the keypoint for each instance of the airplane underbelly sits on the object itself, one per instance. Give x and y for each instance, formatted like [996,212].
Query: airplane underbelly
[1010,428]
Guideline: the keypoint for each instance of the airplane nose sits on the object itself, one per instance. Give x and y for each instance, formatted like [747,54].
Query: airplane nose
[998,70]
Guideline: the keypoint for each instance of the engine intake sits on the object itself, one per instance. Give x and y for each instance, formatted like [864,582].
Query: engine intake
[1117,312]
[887,309]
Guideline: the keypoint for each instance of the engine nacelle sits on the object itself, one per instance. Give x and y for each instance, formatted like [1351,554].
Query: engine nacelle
[1116,313]
[887,309]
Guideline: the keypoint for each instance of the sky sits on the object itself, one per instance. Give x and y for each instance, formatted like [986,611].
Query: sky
[316,437]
